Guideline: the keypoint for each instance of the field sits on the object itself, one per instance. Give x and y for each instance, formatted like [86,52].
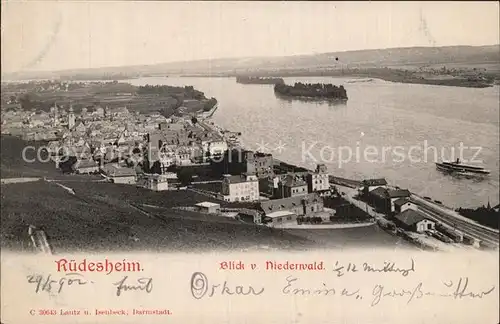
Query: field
[145,99]
[12,163]
[109,217]
[92,221]
[101,216]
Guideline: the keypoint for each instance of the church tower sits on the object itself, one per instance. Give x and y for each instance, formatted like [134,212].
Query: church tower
[71,117]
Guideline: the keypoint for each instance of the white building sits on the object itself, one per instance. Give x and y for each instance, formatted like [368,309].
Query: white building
[243,187]
[155,182]
[208,207]
[395,195]
[182,156]
[86,166]
[279,217]
[415,221]
[214,148]
[402,204]
[117,174]
[318,181]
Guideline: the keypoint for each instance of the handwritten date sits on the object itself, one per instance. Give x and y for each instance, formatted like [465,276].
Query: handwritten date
[53,285]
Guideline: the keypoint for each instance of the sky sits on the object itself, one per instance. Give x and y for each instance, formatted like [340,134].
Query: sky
[46,36]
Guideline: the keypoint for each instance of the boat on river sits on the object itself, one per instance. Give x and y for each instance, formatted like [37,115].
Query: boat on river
[459,168]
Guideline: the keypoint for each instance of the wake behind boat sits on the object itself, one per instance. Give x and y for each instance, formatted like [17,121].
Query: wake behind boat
[460,168]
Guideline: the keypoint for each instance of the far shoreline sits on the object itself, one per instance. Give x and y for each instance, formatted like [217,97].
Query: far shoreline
[456,82]
[450,82]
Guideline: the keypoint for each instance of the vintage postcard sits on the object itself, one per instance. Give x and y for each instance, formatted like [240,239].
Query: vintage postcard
[249,162]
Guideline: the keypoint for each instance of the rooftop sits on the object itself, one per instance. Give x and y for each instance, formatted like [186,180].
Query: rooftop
[117,171]
[401,201]
[410,217]
[260,154]
[273,205]
[207,204]
[237,178]
[398,193]
[86,164]
[294,181]
[279,213]
[379,192]
[375,182]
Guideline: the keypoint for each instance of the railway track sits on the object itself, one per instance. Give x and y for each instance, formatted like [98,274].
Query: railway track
[463,226]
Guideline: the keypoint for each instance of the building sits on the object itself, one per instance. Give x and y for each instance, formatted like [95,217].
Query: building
[157,162]
[292,186]
[182,156]
[279,217]
[119,112]
[250,216]
[117,174]
[415,221]
[308,205]
[402,204]
[98,112]
[394,195]
[319,180]
[80,128]
[371,184]
[86,166]
[383,199]
[260,164]
[378,199]
[208,207]
[71,118]
[213,148]
[243,187]
[155,182]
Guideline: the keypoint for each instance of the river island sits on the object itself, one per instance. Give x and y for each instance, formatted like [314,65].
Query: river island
[312,91]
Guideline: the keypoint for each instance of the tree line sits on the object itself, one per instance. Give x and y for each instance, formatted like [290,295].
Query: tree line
[318,90]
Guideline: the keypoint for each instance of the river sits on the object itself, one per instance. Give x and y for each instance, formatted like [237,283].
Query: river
[386,129]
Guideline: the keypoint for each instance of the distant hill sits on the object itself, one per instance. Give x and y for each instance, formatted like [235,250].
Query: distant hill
[485,56]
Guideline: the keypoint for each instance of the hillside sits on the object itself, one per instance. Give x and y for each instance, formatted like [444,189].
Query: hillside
[484,56]
[101,216]
[94,222]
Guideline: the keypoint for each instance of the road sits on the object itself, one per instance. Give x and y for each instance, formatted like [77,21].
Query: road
[345,182]
[211,128]
[349,194]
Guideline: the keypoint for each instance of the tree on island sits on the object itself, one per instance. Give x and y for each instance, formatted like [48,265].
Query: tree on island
[317,90]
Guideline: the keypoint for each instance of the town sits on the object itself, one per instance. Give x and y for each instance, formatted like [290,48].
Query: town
[188,152]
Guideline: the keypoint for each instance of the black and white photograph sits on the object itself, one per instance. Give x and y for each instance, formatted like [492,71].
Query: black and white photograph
[251,127]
